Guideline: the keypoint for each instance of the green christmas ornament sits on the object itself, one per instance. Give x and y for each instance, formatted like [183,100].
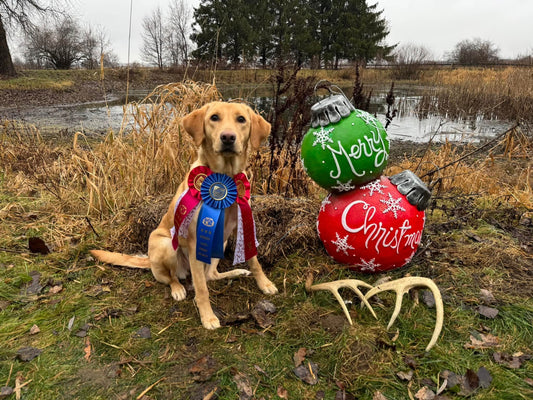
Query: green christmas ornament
[345,147]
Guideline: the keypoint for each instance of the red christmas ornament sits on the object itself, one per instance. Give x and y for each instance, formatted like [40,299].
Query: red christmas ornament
[375,228]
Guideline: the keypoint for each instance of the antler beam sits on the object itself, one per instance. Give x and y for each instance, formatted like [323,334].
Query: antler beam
[352,284]
[402,286]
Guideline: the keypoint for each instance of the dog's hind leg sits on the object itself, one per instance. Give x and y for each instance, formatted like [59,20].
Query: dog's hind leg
[263,282]
[165,265]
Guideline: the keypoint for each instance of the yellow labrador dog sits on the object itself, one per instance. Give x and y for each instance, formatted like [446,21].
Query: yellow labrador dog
[224,134]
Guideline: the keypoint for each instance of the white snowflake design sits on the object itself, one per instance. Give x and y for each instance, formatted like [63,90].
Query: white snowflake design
[393,205]
[322,137]
[368,265]
[368,118]
[325,202]
[342,244]
[344,187]
[374,186]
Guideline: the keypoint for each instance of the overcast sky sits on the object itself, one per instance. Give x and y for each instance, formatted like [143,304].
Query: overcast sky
[436,24]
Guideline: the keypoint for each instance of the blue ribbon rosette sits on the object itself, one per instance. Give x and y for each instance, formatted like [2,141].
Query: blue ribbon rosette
[218,193]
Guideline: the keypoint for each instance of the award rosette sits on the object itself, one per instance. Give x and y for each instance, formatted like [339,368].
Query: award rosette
[218,193]
[215,192]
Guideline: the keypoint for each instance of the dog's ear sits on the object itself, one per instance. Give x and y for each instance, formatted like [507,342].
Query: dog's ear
[193,124]
[259,131]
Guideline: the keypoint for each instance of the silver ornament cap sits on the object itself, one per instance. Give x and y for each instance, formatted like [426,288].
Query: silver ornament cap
[413,188]
[330,110]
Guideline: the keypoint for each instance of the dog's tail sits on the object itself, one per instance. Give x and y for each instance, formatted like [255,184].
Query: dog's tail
[121,259]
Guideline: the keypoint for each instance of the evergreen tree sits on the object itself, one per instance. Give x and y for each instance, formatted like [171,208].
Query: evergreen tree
[322,32]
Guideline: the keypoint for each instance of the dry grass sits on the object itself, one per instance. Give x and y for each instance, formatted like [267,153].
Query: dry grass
[489,93]
[472,241]
[502,171]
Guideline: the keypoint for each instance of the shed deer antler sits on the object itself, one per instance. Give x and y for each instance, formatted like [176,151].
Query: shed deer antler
[353,284]
[402,286]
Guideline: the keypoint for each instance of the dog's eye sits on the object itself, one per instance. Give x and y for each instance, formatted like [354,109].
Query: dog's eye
[214,117]
[241,119]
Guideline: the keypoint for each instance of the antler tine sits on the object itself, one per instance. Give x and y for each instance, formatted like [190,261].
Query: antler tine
[352,284]
[402,286]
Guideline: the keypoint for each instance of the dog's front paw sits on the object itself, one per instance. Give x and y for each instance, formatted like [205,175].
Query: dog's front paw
[211,322]
[177,291]
[267,287]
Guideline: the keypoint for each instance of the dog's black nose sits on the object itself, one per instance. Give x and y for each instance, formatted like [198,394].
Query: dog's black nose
[228,138]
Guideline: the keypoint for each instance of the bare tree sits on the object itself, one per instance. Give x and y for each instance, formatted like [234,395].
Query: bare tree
[94,46]
[178,31]
[153,38]
[409,59]
[475,52]
[55,44]
[17,12]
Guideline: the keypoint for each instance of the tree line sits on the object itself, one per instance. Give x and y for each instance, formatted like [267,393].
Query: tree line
[227,34]
[317,33]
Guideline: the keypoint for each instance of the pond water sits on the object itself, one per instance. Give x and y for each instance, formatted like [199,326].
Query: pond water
[98,118]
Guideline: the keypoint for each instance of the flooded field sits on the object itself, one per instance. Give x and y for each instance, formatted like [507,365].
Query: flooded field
[99,118]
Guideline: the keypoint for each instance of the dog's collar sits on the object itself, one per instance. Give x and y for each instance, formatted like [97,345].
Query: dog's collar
[219,191]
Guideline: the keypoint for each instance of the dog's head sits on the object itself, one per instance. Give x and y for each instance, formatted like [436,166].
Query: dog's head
[226,129]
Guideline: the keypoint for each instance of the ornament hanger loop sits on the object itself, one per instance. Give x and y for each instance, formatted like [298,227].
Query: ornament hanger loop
[325,84]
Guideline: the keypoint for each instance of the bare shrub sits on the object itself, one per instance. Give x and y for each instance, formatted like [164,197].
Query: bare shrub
[409,61]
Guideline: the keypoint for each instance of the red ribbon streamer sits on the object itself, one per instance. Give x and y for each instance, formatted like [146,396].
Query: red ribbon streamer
[243,196]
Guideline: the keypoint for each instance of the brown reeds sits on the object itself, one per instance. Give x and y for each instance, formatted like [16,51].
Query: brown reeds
[149,156]
[467,93]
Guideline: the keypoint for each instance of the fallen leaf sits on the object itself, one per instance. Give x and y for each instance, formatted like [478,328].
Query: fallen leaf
[320,395]
[4,304]
[28,353]
[428,298]
[143,333]
[405,376]
[529,381]
[34,287]
[425,394]
[488,312]
[82,332]
[451,378]
[469,383]
[261,313]
[485,378]
[299,356]
[487,297]
[34,330]
[307,372]
[282,392]
[514,361]
[243,384]
[378,396]
[484,341]
[5,391]
[71,323]
[410,362]
[472,379]
[203,368]
[55,289]
[37,245]
[87,350]
[344,395]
